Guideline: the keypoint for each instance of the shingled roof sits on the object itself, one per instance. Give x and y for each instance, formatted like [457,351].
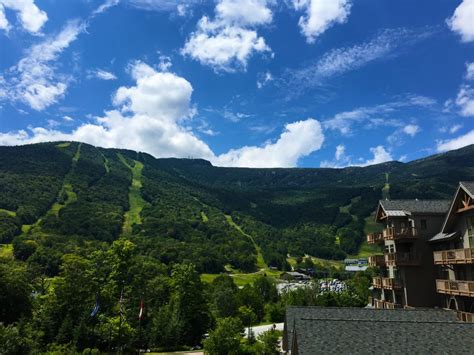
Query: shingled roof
[416,206]
[364,331]
[468,186]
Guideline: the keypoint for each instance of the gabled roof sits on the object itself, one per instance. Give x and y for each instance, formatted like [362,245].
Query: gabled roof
[416,206]
[363,331]
[466,186]
[294,315]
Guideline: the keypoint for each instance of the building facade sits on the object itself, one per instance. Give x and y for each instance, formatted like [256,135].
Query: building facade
[407,272]
[454,254]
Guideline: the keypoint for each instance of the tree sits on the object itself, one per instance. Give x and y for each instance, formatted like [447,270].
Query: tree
[15,292]
[11,341]
[266,288]
[225,339]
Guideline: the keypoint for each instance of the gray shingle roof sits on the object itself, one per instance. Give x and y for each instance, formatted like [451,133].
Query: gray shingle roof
[468,186]
[416,206]
[363,330]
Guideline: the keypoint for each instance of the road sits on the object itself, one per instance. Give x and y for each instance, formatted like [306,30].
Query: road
[263,328]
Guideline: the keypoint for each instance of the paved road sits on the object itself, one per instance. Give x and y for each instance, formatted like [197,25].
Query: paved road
[263,328]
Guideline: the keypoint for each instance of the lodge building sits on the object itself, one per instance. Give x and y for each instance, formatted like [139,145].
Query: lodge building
[428,258]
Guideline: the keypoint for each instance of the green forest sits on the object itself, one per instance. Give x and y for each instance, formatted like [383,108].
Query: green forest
[91,237]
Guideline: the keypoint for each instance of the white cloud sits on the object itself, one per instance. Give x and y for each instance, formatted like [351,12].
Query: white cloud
[378,115]
[470,71]
[388,43]
[34,80]
[341,160]
[101,74]
[455,128]
[68,118]
[380,156]
[465,100]
[340,151]
[321,15]
[227,42]
[150,117]
[299,139]
[462,21]
[29,15]
[411,129]
[165,63]
[456,143]
[105,6]
[264,79]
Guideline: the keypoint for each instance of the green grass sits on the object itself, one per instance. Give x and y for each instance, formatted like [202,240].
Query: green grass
[71,196]
[7,212]
[63,145]
[6,251]
[205,219]
[242,279]
[136,201]
[260,261]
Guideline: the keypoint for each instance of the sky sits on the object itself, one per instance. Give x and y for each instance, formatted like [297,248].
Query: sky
[244,83]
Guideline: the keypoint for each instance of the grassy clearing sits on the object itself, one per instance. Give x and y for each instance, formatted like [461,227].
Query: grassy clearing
[260,261]
[136,202]
[71,196]
[6,251]
[205,219]
[242,279]
[7,212]
[63,145]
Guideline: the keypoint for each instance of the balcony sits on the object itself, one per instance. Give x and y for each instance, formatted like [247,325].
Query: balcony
[466,317]
[457,288]
[374,238]
[402,259]
[454,256]
[380,304]
[389,283]
[377,282]
[376,260]
[400,233]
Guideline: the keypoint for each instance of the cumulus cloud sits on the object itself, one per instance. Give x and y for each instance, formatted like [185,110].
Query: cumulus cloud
[151,116]
[29,15]
[321,15]
[264,79]
[465,100]
[340,159]
[299,139]
[34,80]
[456,143]
[380,155]
[101,74]
[411,130]
[462,21]
[227,42]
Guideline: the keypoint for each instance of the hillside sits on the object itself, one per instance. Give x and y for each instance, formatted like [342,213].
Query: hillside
[70,195]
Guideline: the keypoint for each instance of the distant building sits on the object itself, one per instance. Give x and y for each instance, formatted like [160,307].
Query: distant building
[454,254]
[294,275]
[355,268]
[407,276]
[326,330]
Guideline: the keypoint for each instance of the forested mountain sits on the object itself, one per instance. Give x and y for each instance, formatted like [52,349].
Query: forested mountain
[178,210]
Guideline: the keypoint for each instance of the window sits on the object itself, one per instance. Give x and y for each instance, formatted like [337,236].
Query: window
[470,226]
[423,224]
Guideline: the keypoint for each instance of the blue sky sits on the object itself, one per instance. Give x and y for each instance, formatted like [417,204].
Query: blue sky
[258,83]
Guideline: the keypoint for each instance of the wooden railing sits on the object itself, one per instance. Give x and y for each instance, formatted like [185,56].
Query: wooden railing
[392,233]
[391,305]
[466,317]
[374,238]
[389,283]
[377,282]
[376,260]
[402,259]
[380,304]
[459,288]
[454,256]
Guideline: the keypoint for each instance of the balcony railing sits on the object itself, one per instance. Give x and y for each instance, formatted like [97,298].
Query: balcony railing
[377,282]
[466,317]
[454,256]
[391,233]
[389,283]
[376,260]
[402,259]
[458,288]
[374,238]
[380,304]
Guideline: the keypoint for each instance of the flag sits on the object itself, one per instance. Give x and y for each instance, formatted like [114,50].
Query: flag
[96,309]
[142,310]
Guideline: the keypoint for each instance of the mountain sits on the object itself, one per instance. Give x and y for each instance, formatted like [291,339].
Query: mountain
[71,195]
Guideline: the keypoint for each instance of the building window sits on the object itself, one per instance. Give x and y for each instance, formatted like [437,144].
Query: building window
[470,226]
[423,224]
